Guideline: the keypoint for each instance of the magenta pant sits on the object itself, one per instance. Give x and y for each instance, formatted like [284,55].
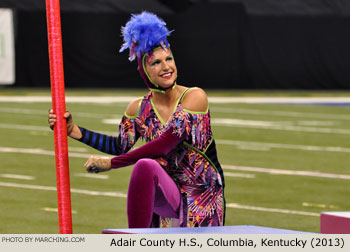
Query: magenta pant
[151,190]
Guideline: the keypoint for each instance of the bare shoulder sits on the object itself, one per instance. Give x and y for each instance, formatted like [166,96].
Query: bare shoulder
[133,108]
[195,100]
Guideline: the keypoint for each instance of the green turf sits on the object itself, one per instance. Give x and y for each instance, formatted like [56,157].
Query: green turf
[22,210]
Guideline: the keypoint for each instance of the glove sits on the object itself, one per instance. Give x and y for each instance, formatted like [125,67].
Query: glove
[96,165]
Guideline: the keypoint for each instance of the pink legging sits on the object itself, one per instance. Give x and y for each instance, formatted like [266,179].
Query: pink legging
[151,190]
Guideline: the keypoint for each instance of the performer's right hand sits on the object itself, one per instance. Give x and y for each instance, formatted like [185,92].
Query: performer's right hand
[68,116]
[96,164]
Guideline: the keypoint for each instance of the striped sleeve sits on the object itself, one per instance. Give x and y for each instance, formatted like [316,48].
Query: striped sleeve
[113,145]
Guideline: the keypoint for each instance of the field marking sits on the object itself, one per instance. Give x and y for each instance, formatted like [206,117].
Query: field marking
[239,175]
[55,210]
[212,99]
[228,167]
[248,123]
[23,111]
[43,152]
[122,195]
[280,100]
[69,99]
[272,210]
[79,149]
[17,176]
[319,205]
[38,128]
[286,172]
[113,121]
[73,190]
[44,112]
[316,123]
[268,125]
[247,145]
[24,127]
[91,175]
[280,113]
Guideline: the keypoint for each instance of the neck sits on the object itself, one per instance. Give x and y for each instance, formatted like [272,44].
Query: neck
[169,96]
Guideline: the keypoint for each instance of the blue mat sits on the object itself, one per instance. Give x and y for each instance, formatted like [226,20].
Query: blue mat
[245,229]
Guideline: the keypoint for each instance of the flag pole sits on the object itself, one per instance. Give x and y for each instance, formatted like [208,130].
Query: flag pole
[59,108]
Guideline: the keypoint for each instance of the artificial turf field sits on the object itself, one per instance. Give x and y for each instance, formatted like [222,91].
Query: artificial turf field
[284,164]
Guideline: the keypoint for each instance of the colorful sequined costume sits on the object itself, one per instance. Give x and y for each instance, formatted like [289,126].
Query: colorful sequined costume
[192,163]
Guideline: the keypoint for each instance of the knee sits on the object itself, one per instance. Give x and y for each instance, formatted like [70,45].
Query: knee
[145,168]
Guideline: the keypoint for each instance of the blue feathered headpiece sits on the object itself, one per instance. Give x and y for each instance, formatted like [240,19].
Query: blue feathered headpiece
[142,33]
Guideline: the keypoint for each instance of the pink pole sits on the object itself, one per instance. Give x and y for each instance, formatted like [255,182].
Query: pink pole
[59,108]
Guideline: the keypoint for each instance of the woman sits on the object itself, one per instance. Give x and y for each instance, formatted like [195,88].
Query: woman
[177,179]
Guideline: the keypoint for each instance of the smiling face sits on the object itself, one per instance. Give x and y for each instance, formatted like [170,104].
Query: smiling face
[161,68]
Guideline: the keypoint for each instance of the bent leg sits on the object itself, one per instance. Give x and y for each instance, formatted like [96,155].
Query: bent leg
[151,189]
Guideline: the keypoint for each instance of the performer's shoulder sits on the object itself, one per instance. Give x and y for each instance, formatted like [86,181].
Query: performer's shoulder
[133,107]
[195,100]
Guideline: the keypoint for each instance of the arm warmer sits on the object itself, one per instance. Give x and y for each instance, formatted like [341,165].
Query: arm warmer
[105,143]
[156,148]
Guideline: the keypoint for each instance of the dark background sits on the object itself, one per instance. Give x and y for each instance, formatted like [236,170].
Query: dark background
[236,44]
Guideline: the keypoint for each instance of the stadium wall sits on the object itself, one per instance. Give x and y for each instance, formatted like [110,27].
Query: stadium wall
[217,44]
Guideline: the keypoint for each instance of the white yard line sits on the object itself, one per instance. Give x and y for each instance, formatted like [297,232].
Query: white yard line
[122,195]
[317,123]
[55,210]
[69,99]
[212,99]
[91,175]
[79,149]
[272,210]
[319,205]
[268,146]
[280,113]
[38,128]
[17,176]
[22,111]
[286,172]
[227,167]
[43,152]
[23,127]
[113,121]
[239,175]
[268,125]
[279,100]
[44,112]
[73,190]
[248,123]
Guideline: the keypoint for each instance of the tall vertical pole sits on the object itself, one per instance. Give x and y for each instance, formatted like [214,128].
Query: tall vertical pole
[59,108]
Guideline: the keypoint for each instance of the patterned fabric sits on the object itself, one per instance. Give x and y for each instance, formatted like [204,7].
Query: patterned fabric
[193,164]
[200,181]
[128,133]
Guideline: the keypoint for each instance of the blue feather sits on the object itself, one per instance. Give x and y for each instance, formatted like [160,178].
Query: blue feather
[142,33]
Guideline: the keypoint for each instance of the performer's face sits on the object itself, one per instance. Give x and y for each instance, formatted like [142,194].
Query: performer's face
[161,68]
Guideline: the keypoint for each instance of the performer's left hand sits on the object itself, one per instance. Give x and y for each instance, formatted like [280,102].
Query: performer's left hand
[96,164]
